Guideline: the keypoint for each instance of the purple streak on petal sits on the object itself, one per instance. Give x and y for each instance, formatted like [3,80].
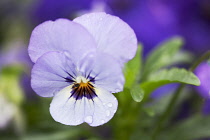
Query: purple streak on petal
[74,112]
[50,74]
[78,92]
[113,36]
[61,35]
[203,73]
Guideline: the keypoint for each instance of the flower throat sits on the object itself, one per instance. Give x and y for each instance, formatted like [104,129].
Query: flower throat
[83,88]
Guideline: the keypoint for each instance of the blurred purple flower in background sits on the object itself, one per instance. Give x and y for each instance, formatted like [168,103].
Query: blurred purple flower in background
[154,21]
[79,63]
[14,55]
[194,23]
[203,73]
[164,91]
[52,9]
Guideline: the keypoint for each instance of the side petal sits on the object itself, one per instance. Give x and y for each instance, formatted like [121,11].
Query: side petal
[113,36]
[67,110]
[104,70]
[51,73]
[60,35]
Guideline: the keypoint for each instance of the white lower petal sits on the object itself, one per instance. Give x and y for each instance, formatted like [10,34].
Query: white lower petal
[67,110]
[95,112]
[105,106]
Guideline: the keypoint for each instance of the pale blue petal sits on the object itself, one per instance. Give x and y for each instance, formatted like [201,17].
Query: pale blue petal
[105,106]
[67,110]
[51,72]
[105,70]
[60,35]
[95,112]
[113,36]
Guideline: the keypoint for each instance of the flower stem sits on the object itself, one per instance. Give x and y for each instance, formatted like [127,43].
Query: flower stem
[163,118]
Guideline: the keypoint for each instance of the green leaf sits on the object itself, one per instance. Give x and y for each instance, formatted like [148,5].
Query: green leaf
[182,57]
[59,135]
[137,93]
[195,127]
[132,69]
[10,84]
[150,111]
[162,56]
[165,76]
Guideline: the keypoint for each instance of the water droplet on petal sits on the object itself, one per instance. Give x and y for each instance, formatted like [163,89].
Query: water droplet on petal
[104,103]
[114,110]
[102,121]
[100,18]
[107,113]
[89,119]
[109,104]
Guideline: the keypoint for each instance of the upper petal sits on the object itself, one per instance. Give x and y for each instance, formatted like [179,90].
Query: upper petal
[51,73]
[60,35]
[113,36]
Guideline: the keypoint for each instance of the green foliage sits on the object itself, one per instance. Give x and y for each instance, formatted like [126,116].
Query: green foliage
[137,93]
[165,76]
[182,57]
[60,135]
[132,69]
[10,84]
[195,127]
[152,77]
[162,56]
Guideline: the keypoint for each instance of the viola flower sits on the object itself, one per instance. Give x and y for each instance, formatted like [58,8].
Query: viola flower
[79,63]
